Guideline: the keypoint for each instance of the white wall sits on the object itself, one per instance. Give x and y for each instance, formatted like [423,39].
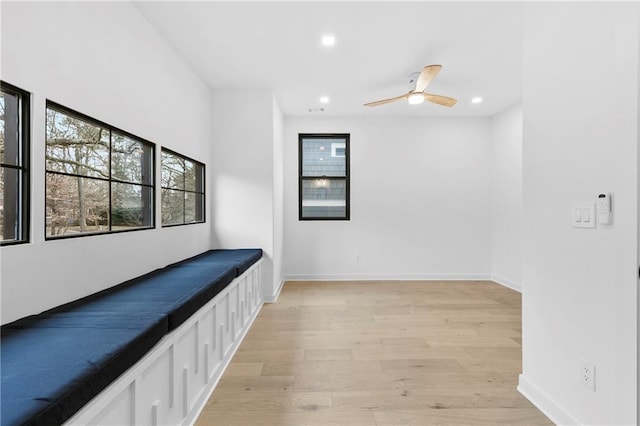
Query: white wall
[102,59]
[420,201]
[278,199]
[506,197]
[243,175]
[580,103]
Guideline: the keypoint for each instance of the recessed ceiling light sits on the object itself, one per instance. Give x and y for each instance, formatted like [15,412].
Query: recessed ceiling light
[476,100]
[324,99]
[328,40]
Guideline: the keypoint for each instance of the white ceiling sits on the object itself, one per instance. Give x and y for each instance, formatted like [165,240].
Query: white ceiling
[276,45]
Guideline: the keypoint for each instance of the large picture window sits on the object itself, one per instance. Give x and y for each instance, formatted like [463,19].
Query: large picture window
[99,179]
[14,165]
[182,189]
[324,177]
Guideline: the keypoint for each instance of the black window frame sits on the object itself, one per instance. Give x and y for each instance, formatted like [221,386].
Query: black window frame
[346,137]
[23,200]
[203,192]
[112,129]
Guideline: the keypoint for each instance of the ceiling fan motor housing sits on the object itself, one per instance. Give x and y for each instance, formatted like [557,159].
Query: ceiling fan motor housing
[413,77]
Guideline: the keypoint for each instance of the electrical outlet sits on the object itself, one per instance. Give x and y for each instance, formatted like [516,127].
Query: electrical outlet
[588,374]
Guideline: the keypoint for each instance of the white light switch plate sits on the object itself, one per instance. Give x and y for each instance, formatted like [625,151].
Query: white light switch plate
[583,215]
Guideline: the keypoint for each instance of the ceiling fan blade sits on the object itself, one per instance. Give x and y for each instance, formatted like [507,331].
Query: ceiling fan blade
[387,101]
[440,100]
[426,75]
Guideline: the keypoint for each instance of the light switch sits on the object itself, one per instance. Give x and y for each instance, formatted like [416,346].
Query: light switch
[583,215]
[577,214]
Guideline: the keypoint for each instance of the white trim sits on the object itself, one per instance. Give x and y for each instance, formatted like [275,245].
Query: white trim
[507,283]
[544,403]
[206,394]
[274,297]
[389,277]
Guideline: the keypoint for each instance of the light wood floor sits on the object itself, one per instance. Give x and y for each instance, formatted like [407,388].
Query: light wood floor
[379,353]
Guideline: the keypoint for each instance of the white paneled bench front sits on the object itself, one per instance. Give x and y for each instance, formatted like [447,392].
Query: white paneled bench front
[146,352]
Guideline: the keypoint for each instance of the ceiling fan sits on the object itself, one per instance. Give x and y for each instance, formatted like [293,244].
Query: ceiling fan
[418,95]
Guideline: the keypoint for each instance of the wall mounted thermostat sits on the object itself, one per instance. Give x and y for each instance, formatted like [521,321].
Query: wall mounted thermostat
[604,208]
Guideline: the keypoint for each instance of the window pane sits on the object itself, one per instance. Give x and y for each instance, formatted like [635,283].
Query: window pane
[324,198]
[9,128]
[130,206]
[194,207]
[76,205]
[172,171]
[172,207]
[199,174]
[321,157]
[189,175]
[9,204]
[199,207]
[190,207]
[129,161]
[76,147]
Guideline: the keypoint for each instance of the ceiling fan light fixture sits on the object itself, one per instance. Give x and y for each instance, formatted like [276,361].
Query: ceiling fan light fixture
[418,94]
[416,98]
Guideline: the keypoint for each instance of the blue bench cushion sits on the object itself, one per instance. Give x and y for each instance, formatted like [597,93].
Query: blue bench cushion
[52,365]
[176,293]
[241,258]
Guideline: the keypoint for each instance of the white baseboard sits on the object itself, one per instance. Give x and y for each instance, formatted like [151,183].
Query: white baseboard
[389,277]
[274,297]
[507,283]
[544,403]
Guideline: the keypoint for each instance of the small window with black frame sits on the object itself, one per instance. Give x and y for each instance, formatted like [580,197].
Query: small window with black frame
[14,164]
[182,189]
[323,176]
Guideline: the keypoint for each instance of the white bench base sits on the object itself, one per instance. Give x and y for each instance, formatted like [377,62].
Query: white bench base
[173,381]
